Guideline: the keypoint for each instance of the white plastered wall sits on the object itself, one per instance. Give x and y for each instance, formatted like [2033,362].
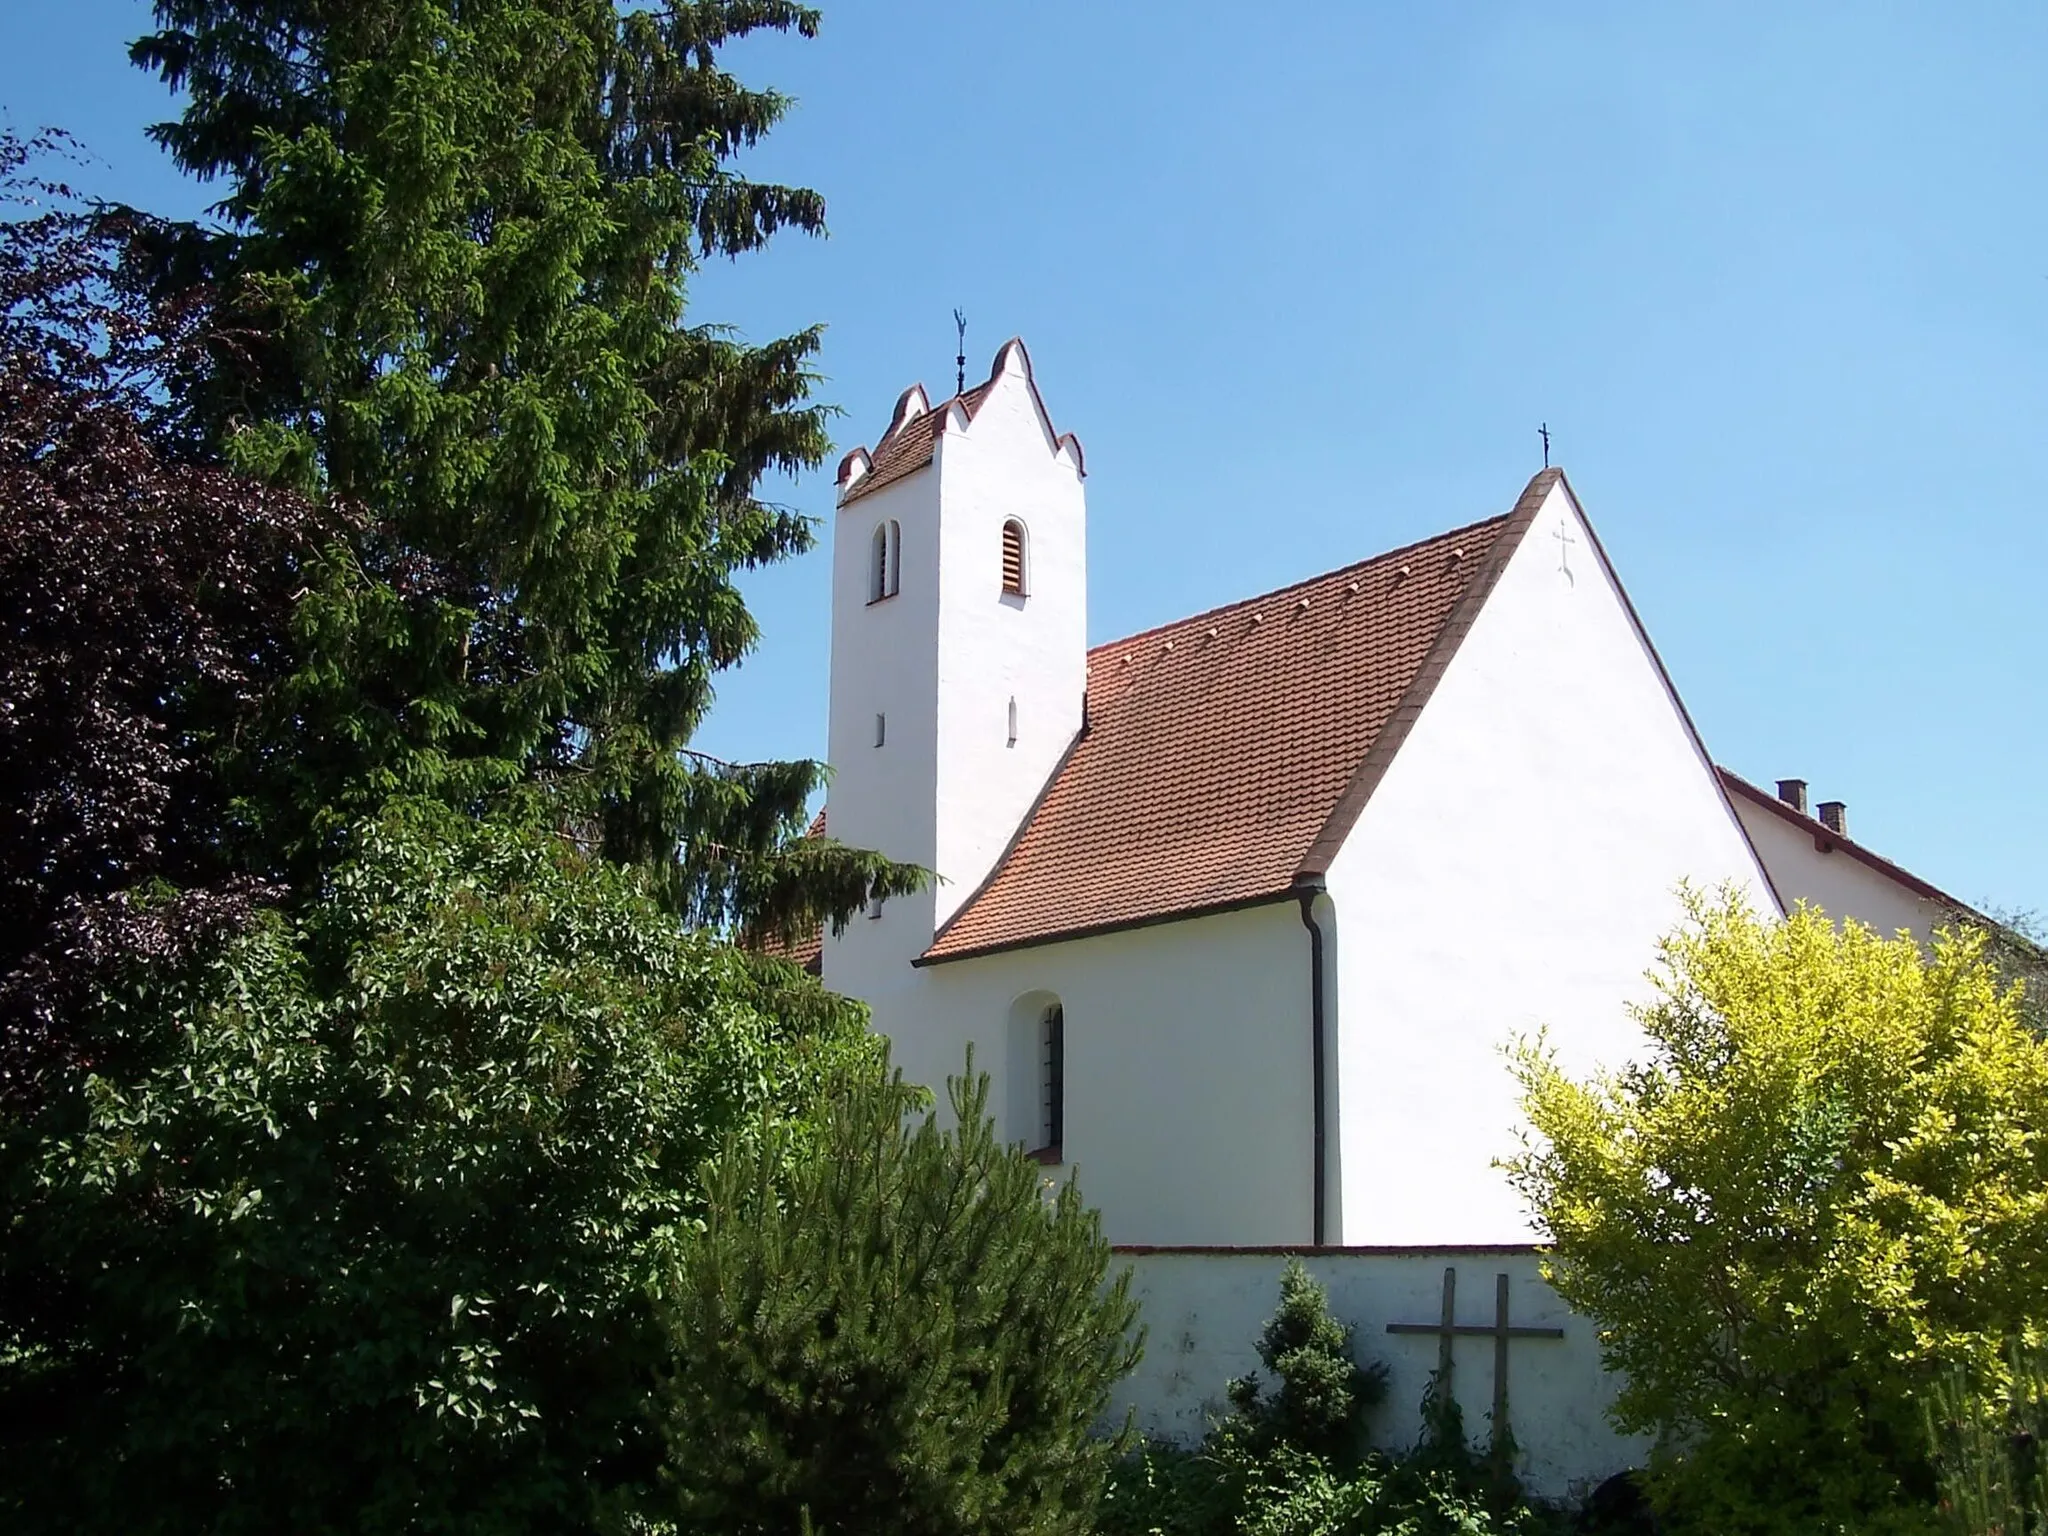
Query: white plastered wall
[1187,1067]
[1203,1313]
[884,662]
[1840,884]
[1513,870]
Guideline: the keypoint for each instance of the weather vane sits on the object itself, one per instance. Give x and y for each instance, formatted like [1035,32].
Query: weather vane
[1544,432]
[960,362]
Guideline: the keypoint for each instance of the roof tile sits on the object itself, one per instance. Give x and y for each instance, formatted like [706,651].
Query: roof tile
[909,448]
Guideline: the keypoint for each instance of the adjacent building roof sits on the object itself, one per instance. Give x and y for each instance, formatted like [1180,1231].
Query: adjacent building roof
[1829,841]
[1225,757]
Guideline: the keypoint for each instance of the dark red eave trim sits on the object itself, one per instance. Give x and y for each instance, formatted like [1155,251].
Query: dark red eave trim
[1097,930]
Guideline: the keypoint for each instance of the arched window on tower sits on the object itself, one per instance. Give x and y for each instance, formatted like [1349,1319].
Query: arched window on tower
[1013,558]
[885,561]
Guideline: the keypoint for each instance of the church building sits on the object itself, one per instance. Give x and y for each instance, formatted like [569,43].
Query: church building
[1240,912]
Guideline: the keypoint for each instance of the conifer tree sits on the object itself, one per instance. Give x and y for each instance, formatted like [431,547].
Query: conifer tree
[1991,1448]
[1323,1392]
[892,1331]
[450,270]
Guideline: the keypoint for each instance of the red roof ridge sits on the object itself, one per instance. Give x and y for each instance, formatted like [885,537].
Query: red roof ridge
[1380,755]
[1476,526]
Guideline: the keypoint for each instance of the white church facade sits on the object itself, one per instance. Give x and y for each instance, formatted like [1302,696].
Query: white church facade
[1239,912]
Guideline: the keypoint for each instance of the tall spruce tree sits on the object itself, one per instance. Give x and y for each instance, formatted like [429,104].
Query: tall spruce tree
[451,269]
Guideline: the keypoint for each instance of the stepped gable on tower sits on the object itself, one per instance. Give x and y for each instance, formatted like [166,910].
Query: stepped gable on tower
[911,439]
[1225,756]
[908,444]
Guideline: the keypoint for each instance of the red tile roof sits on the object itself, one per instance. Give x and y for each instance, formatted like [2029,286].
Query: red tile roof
[908,448]
[1226,756]
[808,951]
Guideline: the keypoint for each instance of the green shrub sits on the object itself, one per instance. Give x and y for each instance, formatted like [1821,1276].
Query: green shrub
[1224,1489]
[1293,1463]
[1827,1180]
[351,1223]
[1324,1393]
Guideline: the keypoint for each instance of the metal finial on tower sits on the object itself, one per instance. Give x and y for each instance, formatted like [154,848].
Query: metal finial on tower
[960,362]
[1544,432]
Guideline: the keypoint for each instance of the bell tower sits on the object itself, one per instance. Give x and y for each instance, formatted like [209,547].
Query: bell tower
[959,649]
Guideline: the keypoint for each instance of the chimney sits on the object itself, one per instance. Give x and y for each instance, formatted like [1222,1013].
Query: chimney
[1793,793]
[1834,815]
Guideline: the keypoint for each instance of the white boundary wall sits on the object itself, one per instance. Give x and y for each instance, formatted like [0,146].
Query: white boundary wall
[1203,1309]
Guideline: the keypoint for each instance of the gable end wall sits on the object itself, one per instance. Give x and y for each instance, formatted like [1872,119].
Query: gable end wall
[1513,870]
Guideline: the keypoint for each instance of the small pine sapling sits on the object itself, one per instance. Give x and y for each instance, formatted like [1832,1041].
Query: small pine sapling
[1987,1450]
[890,1330]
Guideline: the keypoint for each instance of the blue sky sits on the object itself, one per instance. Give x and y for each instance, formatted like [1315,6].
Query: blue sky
[1775,274]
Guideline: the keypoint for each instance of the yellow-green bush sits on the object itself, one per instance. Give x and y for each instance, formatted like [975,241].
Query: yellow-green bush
[1825,1181]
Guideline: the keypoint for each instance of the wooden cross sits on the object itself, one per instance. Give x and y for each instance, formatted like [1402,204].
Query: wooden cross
[1499,1330]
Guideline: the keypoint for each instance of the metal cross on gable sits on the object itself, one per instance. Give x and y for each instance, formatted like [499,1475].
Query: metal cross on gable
[1500,1330]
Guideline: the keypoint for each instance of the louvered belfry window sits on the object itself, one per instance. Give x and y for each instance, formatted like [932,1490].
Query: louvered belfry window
[1013,557]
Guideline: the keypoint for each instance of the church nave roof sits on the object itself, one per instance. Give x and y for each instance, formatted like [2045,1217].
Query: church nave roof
[1226,755]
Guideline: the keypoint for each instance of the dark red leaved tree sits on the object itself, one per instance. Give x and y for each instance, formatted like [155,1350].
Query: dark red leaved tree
[144,600]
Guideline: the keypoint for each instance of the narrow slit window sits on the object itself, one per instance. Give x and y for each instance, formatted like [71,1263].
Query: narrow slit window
[881,729]
[1052,1075]
[885,561]
[1013,722]
[1013,558]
